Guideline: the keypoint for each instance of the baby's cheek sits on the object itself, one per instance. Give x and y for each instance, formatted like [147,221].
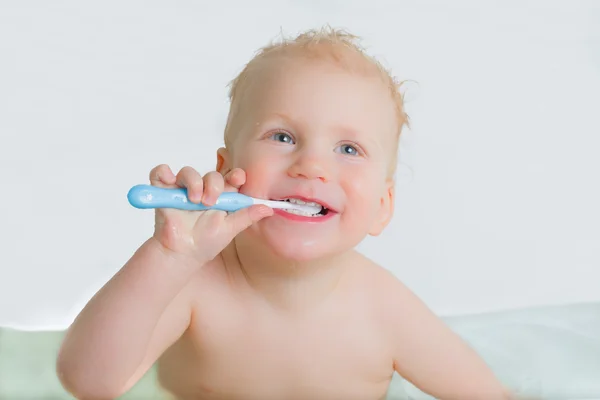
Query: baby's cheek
[364,193]
[361,183]
[258,177]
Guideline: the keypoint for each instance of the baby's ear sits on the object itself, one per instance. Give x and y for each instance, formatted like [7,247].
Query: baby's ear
[386,209]
[223,160]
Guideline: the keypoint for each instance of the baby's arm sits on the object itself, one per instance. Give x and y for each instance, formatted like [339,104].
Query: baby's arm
[432,357]
[122,331]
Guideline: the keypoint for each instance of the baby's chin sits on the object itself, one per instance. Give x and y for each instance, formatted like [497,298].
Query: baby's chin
[298,245]
[301,254]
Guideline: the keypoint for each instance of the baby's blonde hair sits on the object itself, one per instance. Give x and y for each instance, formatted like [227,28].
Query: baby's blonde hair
[327,43]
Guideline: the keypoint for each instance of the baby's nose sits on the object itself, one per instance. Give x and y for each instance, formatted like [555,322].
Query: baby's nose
[310,168]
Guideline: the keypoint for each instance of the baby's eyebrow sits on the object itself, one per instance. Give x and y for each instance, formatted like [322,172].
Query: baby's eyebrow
[350,132]
[274,118]
[281,117]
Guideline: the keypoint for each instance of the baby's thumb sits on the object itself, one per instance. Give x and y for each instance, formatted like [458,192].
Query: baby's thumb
[242,219]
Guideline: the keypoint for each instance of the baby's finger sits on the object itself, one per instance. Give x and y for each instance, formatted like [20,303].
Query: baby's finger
[242,219]
[213,187]
[162,176]
[189,178]
[234,179]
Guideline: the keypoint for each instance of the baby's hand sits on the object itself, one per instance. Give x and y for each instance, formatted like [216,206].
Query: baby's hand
[201,235]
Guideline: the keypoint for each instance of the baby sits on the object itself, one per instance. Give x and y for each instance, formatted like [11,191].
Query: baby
[267,304]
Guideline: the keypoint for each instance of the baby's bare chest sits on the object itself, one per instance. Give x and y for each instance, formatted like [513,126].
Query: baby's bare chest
[244,352]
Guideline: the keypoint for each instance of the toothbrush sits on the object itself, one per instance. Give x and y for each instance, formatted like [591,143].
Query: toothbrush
[148,196]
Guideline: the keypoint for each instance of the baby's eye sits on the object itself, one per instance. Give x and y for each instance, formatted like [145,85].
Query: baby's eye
[348,150]
[282,137]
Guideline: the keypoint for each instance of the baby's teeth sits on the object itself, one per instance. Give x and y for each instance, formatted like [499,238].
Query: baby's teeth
[310,203]
[296,201]
[291,211]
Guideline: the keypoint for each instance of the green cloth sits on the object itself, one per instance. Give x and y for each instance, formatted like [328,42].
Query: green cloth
[27,369]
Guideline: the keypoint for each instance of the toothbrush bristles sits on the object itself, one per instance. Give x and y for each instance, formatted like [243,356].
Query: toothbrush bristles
[292,206]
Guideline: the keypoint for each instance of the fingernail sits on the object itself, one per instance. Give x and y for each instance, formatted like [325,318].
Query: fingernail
[267,211]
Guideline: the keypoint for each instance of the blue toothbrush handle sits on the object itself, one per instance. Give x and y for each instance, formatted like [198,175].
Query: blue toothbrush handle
[148,196]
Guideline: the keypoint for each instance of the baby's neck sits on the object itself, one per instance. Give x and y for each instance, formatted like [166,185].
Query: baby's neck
[290,286]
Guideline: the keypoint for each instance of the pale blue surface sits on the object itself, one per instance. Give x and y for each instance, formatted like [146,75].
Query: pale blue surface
[546,352]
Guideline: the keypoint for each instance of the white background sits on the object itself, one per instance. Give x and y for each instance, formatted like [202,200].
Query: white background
[498,195]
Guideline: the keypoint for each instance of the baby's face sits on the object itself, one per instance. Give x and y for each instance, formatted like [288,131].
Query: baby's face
[311,130]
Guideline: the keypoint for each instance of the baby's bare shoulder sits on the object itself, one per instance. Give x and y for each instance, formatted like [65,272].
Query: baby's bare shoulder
[376,279]
[416,338]
[388,294]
